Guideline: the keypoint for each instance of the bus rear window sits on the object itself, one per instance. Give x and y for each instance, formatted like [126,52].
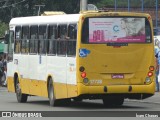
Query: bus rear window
[116,30]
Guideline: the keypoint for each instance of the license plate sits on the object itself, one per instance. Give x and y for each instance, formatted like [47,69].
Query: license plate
[117,76]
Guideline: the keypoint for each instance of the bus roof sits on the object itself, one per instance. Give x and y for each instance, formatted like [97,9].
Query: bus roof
[65,18]
[34,20]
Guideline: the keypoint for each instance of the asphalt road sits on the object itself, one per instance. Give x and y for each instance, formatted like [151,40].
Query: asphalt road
[8,102]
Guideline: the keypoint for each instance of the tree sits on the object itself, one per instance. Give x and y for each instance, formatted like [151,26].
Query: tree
[68,6]
[18,8]
[3,28]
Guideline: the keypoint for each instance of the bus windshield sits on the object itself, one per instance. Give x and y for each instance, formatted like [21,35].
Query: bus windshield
[116,30]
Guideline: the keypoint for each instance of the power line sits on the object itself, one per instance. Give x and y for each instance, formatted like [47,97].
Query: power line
[13,4]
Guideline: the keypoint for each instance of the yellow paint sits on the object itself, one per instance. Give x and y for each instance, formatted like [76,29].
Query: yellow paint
[39,88]
[34,87]
[82,89]
[44,90]
[60,90]
[25,84]
[10,84]
[72,90]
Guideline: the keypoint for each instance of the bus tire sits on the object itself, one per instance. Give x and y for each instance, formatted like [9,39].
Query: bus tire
[64,102]
[119,101]
[107,102]
[21,98]
[51,96]
[115,101]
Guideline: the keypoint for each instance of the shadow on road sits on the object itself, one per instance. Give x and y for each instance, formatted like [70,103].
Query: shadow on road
[89,105]
[39,102]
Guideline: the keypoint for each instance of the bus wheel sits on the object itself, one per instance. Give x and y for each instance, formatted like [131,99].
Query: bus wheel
[107,102]
[64,102]
[119,101]
[52,99]
[115,101]
[21,98]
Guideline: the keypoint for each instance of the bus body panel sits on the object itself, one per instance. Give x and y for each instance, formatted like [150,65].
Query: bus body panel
[131,62]
[101,65]
[116,89]
[34,81]
[10,84]
[33,74]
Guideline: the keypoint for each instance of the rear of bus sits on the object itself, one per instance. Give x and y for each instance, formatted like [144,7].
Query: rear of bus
[116,56]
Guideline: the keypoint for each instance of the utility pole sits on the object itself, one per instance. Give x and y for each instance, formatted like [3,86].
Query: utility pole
[128,5]
[12,9]
[142,5]
[157,3]
[83,5]
[39,8]
[115,5]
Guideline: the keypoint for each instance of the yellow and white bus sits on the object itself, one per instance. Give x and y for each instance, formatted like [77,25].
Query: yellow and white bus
[91,55]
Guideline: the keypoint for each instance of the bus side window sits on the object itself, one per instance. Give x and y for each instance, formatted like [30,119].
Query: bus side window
[18,34]
[71,46]
[62,42]
[52,36]
[42,36]
[33,41]
[25,39]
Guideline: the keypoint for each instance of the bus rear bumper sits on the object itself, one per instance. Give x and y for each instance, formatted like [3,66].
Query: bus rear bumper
[129,91]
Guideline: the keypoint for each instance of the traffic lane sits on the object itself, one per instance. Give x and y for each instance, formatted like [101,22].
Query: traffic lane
[8,102]
[43,105]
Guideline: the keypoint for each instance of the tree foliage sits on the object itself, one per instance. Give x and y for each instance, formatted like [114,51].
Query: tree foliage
[18,8]
[3,28]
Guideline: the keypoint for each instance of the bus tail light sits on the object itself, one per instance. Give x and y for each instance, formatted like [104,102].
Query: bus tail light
[150,74]
[83,74]
[151,68]
[81,69]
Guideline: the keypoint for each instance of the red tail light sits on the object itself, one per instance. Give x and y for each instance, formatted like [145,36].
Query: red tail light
[83,74]
[151,68]
[150,74]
